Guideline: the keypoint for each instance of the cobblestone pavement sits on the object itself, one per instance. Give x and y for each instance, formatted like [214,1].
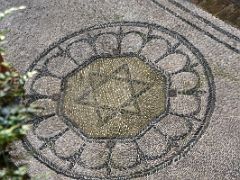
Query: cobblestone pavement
[130,89]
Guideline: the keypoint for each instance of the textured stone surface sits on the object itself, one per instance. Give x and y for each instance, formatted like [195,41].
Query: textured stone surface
[114,97]
[198,135]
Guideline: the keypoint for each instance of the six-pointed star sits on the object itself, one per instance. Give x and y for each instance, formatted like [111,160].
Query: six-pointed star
[114,93]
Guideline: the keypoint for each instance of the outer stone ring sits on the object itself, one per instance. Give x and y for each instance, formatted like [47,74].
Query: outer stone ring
[121,100]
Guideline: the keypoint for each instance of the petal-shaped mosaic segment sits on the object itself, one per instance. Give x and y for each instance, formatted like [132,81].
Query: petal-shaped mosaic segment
[153,144]
[173,63]
[114,97]
[131,43]
[128,158]
[80,51]
[174,126]
[94,155]
[154,49]
[73,144]
[134,98]
[46,106]
[60,66]
[50,127]
[47,85]
[106,43]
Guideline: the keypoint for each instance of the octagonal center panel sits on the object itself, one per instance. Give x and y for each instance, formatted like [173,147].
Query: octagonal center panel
[114,97]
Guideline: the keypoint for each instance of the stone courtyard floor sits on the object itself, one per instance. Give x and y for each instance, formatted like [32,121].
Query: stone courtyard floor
[131,89]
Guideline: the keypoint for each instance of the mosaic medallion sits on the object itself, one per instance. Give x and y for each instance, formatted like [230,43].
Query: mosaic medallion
[116,97]
[121,100]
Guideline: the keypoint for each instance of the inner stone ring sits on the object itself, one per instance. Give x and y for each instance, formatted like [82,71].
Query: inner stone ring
[121,100]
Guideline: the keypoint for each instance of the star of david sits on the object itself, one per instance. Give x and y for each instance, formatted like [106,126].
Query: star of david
[112,94]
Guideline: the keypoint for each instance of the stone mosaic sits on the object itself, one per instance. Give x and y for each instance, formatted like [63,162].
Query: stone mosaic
[123,100]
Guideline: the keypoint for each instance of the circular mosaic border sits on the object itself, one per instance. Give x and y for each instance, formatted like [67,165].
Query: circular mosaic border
[185,148]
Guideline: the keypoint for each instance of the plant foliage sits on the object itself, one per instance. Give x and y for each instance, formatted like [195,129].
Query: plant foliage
[12,112]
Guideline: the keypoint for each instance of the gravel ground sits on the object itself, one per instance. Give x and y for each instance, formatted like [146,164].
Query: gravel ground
[132,89]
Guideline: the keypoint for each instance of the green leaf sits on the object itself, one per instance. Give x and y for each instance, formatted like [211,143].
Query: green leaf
[3,172]
[2,37]
[21,171]
[9,11]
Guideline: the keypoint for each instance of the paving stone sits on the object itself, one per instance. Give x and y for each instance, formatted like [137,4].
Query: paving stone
[47,85]
[131,43]
[154,49]
[80,51]
[94,155]
[61,66]
[73,144]
[184,81]
[184,104]
[173,63]
[173,126]
[106,43]
[152,144]
[50,127]
[45,106]
[128,155]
